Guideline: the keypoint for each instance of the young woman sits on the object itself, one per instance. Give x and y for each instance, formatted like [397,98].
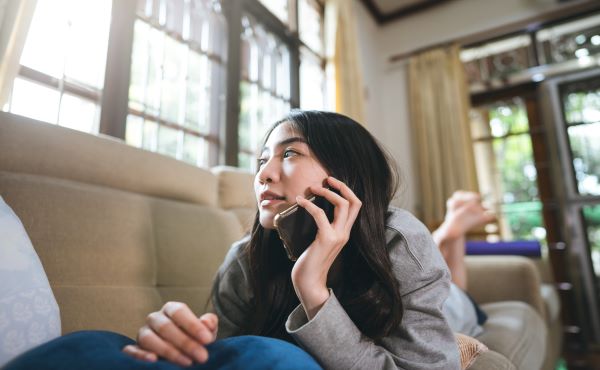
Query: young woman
[366,294]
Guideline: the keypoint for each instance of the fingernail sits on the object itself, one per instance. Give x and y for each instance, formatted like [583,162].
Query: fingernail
[298,198]
[184,360]
[199,356]
[205,337]
[149,357]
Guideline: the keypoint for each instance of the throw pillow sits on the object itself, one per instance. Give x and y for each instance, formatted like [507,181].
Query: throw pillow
[29,314]
[469,348]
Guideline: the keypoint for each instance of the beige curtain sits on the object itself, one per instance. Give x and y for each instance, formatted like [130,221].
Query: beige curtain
[439,105]
[342,51]
[15,18]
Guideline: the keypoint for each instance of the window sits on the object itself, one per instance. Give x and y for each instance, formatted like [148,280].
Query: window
[177,83]
[177,97]
[580,101]
[62,65]
[264,89]
[312,61]
[581,105]
[269,49]
[559,48]
[506,170]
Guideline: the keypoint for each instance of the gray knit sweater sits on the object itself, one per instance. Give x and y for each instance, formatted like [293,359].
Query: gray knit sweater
[422,341]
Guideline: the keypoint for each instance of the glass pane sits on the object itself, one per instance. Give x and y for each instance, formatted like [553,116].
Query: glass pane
[582,107]
[195,150]
[191,149]
[266,75]
[139,63]
[199,16]
[87,44]
[26,95]
[246,161]
[247,111]
[498,60]
[499,120]
[173,88]
[134,133]
[516,168]
[175,16]
[585,149]
[277,7]
[168,141]
[591,216]
[283,72]
[197,108]
[45,49]
[310,24]
[522,221]
[150,135]
[568,41]
[217,37]
[312,83]
[70,37]
[155,71]
[79,114]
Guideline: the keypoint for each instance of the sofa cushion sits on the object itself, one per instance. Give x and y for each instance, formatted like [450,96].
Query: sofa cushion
[85,234]
[517,331]
[551,301]
[236,189]
[122,309]
[191,242]
[29,315]
[491,360]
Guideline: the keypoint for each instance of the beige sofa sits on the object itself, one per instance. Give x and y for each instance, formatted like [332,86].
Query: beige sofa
[120,231]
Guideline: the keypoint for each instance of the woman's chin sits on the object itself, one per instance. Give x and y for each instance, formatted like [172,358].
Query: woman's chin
[266,220]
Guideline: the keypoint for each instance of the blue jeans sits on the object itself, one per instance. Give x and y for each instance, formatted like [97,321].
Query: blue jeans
[101,350]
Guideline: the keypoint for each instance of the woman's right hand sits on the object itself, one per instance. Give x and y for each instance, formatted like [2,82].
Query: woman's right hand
[176,334]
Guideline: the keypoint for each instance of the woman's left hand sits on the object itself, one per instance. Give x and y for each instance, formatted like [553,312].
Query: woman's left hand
[309,274]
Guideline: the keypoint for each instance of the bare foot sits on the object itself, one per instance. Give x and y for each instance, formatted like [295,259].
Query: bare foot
[464,213]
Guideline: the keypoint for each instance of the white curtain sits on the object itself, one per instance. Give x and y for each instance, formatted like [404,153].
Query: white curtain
[439,105]
[15,18]
[342,50]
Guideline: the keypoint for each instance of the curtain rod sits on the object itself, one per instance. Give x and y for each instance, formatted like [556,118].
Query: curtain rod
[568,10]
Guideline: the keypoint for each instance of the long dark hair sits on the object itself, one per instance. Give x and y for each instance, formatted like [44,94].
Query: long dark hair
[365,285]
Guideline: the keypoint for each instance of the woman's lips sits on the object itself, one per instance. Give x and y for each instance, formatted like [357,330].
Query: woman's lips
[271,202]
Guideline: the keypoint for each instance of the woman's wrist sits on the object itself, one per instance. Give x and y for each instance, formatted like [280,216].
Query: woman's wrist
[312,298]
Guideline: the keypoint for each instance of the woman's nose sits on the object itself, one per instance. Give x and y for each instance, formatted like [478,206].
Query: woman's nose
[269,172]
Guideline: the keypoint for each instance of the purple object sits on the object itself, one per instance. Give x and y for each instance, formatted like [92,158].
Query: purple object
[528,248]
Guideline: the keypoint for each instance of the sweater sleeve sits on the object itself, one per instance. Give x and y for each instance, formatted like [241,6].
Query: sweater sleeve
[422,341]
[231,295]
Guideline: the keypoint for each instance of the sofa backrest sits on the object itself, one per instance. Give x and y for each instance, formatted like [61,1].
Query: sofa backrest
[119,230]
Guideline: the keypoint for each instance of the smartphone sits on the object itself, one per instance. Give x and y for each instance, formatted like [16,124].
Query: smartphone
[296,227]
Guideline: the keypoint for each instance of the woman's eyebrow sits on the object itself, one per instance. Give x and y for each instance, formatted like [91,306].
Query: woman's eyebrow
[295,139]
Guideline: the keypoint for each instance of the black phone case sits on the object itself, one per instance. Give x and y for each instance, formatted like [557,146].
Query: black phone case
[297,228]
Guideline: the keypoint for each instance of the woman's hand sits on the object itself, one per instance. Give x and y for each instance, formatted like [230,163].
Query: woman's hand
[175,334]
[309,274]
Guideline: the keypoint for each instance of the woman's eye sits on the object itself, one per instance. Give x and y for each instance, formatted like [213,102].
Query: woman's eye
[261,161]
[289,153]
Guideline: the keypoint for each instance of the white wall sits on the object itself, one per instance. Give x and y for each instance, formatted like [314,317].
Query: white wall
[386,98]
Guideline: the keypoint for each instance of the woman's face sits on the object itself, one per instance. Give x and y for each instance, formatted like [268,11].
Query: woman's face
[286,169]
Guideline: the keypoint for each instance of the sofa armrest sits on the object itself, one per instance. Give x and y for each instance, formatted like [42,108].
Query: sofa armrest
[504,278]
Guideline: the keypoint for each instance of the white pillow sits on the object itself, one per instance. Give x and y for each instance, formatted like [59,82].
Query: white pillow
[29,315]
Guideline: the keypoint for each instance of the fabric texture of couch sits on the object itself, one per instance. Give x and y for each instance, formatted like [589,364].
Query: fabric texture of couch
[121,230]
